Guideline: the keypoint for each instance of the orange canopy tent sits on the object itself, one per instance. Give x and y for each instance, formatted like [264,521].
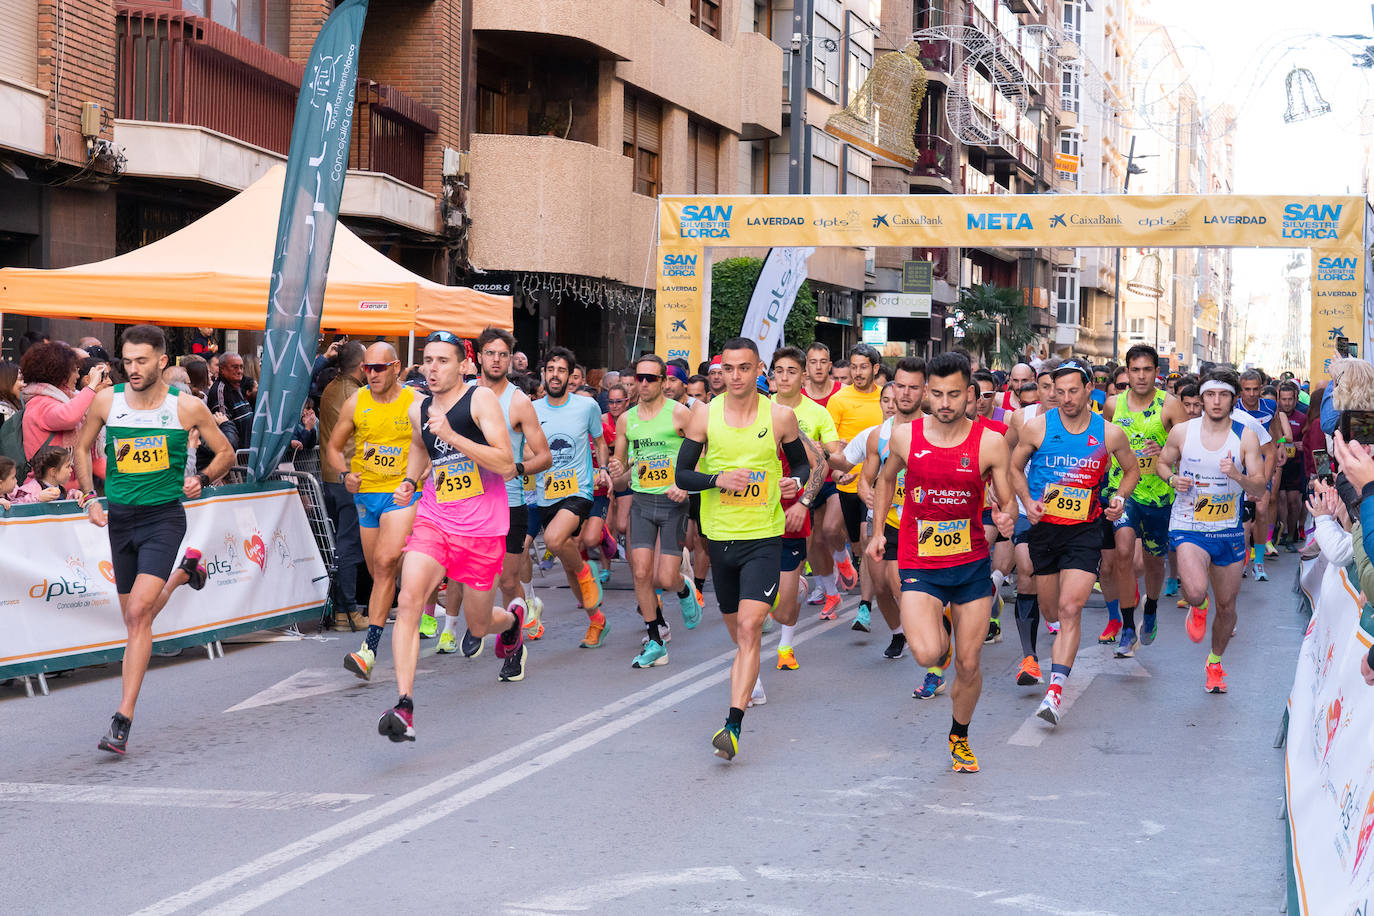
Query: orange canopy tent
[214,273]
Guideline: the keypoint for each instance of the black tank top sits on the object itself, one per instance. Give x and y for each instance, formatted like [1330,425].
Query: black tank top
[459,417]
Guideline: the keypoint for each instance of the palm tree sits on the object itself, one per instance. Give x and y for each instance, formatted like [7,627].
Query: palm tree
[995,322]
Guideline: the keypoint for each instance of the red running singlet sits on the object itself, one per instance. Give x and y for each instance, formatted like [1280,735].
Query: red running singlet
[942,518]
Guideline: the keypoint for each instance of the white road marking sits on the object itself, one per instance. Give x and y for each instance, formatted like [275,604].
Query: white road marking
[984,814]
[614,888]
[311,682]
[174,798]
[1087,666]
[331,836]
[1151,828]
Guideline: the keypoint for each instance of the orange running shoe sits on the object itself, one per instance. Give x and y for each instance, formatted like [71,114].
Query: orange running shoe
[589,585]
[830,609]
[596,632]
[1029,672]
[1110,634]
[849,576]
[963,758]
[1197,622]
[1216,678]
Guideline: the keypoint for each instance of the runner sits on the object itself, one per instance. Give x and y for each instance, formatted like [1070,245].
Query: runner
[1293,477]
[1200,462]
[741,510]
[944,460]
[855,408]
[1003,557]
[564,491]
[618,401]
[827,519]
[530,451]
[1258,515]
[675,389]
[376,418]
[147,426]
[1066,452]
[790,369]
[1146,414]
[459,434]
[648,438]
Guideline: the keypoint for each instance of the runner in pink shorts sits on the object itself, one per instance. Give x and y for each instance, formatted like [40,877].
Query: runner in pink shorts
[460,523]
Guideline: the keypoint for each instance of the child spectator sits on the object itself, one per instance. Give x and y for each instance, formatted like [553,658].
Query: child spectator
[51,469]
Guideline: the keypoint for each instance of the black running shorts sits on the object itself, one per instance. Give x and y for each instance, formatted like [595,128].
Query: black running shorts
[144,540]
[745,571]
[1054,548]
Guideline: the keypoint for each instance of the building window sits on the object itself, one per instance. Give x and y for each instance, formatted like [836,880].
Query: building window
[1073,21]
[642,118]
[706,16]
[703,142]
[860,63]
[1070,142]
[858,171]
[826,50]
[1135,326]
[266,22]
[1066,294]
[825,163]
[1068,92]
[763,17]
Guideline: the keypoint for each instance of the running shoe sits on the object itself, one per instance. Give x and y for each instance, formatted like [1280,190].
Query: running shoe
[830,609]
[1170,587]
[651,656]
[1149,630]
[428,626]
[962,756]
[1260,574]
[447,643]
[361,662]
[663,630]
[534,618]
[1291,545]
[691,605]
[590,588]
[758,697]
[1049,707]
[1052,627]
[1109,635]
[863,618]
[931,687]
[994,632]
[1183,602]
[849,576]
[817,595]
[1216,678]
[1029,672]
[472,645]
[116,740]
[609,546]
[726,742]
[1126,646]
[195,570]
[787,659]
[546,564]
[507,644]
[1197,623]
[603,575]
[1270,550]
[513,668]
[596,632]
[397,724]
[769,624]
[896,647]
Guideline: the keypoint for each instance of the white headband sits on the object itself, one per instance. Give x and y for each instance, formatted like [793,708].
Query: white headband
[1214,385]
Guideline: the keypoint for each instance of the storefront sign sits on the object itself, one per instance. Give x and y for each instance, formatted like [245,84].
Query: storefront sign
[896,305]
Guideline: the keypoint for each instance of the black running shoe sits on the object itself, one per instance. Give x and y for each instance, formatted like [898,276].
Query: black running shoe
[896,647]
[472,645]
[116,740]
[398,724]
[513,668]
[194,568]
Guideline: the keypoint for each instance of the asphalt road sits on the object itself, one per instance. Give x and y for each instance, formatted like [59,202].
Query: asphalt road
[258,782]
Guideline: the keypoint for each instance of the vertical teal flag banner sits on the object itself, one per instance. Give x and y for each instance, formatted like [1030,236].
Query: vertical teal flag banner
[315,169]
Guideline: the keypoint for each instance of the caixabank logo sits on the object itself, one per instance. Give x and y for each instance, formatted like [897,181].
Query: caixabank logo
[705,222]
[1311,221]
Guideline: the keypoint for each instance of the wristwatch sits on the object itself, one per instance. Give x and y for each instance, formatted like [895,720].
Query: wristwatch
[519,469]
[804,503]
[204,480]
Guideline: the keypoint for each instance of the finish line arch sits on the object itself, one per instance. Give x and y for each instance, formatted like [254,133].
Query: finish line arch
[1332,228]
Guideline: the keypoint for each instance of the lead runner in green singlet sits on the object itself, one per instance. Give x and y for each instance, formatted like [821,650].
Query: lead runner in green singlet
[147,428]
[741,510]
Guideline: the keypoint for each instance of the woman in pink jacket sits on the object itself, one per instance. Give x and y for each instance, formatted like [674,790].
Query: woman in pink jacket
[53,408]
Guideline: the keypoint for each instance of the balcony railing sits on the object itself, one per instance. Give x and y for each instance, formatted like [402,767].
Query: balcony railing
[934,157]
[938,258]
[182,69]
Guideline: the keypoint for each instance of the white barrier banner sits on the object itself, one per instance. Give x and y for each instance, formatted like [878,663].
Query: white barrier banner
[783,273]
[57,593]
[1330,757]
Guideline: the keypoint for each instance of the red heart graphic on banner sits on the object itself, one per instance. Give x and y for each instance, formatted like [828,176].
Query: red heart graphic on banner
[107,570]
[256,551]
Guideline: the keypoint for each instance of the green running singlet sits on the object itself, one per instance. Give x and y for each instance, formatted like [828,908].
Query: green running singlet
[756,512]
[1142,428]
[653,447]
[145,452]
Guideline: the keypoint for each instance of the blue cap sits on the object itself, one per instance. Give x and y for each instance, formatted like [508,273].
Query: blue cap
[762,384]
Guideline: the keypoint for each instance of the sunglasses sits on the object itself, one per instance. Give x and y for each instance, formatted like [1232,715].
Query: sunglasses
[380,367]
[987,394]
[646,378]
[444,337]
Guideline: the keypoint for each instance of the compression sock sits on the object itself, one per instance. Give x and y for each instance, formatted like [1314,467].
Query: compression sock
[1114,609]
[1026,622]
[829,584]
[1128,618]
[1213,658]
[1035,624]
[735,718]
[785,635]
[957,729]
[1151,608]
[1059,674]
[654,633]
[374,637]
[700,584]
[451,624]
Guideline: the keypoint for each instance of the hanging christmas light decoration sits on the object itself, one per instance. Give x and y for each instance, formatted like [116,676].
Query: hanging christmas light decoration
[1148,279]
[1304,98]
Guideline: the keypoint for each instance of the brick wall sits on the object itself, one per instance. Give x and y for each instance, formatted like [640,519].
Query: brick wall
[307,16]
[76,41]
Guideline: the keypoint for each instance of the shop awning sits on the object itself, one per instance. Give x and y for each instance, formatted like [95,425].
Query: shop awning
[214,273]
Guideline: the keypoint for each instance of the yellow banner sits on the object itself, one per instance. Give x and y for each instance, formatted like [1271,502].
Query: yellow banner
[1337,305]
[682,299]
[1013,220]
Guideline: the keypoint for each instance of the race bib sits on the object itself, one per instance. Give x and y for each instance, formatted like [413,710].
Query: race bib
[656,472]
[561,483]
[753,496]
[1292,450]
[384,460]
[899,495]
[942,539]
[1146,462]
[1071,504]
[141,455]
[1216,508]
[528,483]
[456,479]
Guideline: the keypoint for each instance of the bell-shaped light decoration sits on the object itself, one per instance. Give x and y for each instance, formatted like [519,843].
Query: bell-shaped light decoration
[882,116]
[1148,279]
[1304,98]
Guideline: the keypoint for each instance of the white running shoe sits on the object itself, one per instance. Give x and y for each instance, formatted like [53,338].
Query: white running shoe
[758,698]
